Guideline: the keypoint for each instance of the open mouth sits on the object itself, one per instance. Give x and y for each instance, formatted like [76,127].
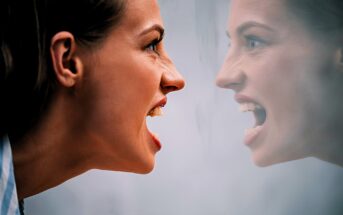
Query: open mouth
[157,108]
[157,111]
[260,115]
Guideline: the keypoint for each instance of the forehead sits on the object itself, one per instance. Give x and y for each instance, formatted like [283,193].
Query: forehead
[270,12]
[140,14]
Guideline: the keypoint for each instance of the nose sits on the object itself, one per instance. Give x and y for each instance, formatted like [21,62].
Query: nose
[172,80]
[231,76]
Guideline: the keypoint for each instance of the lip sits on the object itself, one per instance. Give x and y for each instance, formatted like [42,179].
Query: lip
[156,141]
[240,98]
[249,139]
[161,103]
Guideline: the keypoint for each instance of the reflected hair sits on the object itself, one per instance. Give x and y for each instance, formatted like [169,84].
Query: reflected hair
[324,17]
[27,80]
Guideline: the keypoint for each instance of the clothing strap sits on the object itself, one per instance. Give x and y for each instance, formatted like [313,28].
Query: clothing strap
[21,207]
[8,192]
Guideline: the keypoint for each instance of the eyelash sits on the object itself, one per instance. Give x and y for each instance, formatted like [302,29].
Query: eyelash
[253,42]
[153,46]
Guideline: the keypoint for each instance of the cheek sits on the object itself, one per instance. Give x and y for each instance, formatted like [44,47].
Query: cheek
[133,80]
[273,82]
[289,86]
[119,96]
[282,81]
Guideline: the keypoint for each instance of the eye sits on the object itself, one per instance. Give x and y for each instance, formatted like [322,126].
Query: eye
[153,46]
[253,42]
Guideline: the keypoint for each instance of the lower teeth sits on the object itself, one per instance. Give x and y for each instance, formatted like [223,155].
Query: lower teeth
[253,131]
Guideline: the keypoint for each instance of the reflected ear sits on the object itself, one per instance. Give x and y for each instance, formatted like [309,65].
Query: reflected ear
[65,61]
[340,56]
[338,60]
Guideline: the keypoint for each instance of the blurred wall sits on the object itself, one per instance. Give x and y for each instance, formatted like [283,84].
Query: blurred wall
[203,169]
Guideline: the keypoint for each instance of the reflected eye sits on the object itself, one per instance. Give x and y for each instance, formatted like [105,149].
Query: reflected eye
[253,42]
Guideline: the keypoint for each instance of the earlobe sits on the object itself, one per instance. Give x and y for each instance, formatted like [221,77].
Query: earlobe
[338,60]
[340,56]
[66,64]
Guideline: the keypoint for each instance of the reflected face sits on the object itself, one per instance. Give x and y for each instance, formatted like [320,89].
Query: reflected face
[127,78]
[284,75]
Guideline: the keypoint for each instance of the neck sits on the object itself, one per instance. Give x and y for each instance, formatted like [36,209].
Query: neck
[332,155]
[50,154]
[331,149]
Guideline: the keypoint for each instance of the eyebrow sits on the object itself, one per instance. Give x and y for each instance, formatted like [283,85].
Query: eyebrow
[155,27]
[247,25]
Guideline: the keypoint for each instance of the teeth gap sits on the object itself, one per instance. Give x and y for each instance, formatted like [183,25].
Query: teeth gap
[258,110]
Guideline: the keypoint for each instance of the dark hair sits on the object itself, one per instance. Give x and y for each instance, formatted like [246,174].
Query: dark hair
[27,80]
[324,17]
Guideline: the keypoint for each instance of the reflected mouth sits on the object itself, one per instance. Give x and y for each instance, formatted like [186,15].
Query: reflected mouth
[260,115]
[258,111]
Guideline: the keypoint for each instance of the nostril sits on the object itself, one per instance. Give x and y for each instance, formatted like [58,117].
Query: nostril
[168,89]
[225,83]
[170,83]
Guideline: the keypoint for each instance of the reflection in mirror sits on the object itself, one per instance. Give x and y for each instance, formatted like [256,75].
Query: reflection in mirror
[285,66]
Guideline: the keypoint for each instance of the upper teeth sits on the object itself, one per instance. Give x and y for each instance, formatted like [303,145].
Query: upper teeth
[245,107]
[157,111]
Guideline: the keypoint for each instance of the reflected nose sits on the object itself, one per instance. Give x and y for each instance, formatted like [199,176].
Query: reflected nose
[172,80]
[231,76]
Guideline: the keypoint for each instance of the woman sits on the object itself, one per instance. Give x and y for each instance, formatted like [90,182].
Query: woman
[285,65]
[78,79]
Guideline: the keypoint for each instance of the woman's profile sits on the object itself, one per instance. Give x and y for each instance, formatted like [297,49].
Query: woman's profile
[77,81]
[285,65]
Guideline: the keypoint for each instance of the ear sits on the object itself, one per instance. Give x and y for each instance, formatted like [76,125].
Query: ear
[66,63]
[339,56]
[339,60]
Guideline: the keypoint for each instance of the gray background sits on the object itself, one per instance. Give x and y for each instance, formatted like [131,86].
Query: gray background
[203,169]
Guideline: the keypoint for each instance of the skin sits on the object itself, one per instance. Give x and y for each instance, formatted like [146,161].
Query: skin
[276,61]
[97,119]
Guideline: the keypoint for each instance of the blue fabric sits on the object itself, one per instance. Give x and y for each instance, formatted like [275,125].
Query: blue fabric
[8,191]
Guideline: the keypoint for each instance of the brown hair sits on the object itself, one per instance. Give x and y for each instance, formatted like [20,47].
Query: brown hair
[324,17]
[27,80]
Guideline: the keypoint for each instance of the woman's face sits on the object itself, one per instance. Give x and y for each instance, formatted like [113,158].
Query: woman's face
[126,78]
[286,76]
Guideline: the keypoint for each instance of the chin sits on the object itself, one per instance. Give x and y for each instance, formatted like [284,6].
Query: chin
[265,159]
[138,166]
[138,169]
[261,163]
[144,169]
[144,166]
